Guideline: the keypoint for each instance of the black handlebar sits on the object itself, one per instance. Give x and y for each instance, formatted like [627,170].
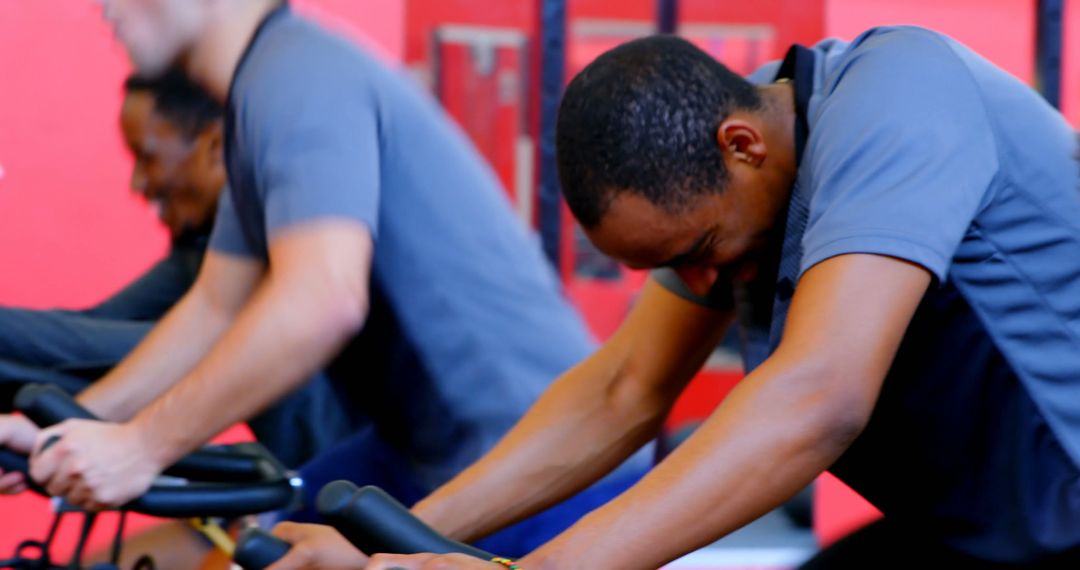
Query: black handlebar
[14,462]
[47,405]
[223,482]
[376,523]
[256,549]
[369,518]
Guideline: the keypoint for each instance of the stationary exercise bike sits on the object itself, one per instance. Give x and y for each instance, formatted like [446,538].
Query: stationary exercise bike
[208,487]
[368,517]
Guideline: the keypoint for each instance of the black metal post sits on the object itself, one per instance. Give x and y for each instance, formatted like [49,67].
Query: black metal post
[667,16]
[1049,41]
[552,81]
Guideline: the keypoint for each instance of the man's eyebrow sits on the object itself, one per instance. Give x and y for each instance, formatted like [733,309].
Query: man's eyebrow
[689,252]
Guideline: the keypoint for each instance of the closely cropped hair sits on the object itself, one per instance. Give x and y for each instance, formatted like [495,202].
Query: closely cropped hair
[643,118]
[179,100]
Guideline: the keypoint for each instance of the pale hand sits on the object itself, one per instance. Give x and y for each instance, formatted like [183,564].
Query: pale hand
[16,434]
[95,465]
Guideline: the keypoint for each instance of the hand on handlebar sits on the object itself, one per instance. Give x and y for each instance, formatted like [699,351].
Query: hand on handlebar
[429,562]
[17,434]
[317,546]
[94,465]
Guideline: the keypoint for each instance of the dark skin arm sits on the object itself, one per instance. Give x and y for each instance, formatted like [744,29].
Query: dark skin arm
[590,420]
[785,424]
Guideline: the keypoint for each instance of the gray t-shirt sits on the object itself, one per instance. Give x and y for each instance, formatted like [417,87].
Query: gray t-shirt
[467,324]
[921,150]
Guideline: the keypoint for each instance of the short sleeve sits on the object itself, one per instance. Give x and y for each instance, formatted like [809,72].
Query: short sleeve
[317,144]
[721,297]
[228,235]
[901,153]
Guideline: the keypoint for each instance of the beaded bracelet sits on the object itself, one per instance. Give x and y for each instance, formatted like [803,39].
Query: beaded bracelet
[506,562]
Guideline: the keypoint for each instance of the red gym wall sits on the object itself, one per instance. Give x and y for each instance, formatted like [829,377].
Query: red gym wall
[69,230]
[1071,81]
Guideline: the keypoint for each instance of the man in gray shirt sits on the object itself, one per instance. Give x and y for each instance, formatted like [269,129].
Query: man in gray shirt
[361,230]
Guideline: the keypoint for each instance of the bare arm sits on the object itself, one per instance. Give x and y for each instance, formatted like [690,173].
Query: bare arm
[312,301]
[590,420]
[786,423]
[179,341]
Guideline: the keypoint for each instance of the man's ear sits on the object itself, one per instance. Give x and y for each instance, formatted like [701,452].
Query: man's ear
[211,141]
[741,141]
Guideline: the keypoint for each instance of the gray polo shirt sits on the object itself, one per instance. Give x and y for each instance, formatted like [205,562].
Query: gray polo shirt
[467,324]
[919,149]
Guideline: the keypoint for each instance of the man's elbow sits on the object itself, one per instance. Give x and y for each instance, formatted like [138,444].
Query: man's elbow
[841,428]
[342,316]
[327,315]
[837,405]
[839,418]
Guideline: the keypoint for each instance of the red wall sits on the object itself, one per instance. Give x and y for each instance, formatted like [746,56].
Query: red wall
[795,21]
[1070,96]
[1003,31]
[423,16]
[378,25]
[70,232]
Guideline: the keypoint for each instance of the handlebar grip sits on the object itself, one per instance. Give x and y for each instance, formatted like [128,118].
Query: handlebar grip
[224,500]
[256,549]
[223,465]
[235,483]
[48,405]
[375,522]
[11,462]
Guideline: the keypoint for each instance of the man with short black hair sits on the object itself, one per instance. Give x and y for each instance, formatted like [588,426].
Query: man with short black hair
[894,225]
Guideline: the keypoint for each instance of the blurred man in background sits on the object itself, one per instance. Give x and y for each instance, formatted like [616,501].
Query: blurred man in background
[174,132]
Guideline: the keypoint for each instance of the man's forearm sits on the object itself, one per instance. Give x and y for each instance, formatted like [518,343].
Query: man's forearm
[765,443]
[168,352]
[283,336]
[579,430]
[587,422]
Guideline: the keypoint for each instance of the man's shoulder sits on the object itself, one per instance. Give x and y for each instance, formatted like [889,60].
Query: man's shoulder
[914,72]
[296,55]
[889,39]
[910,52]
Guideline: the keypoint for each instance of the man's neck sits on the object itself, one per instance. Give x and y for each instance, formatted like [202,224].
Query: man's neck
[778,118]
[778,110]
[230,27]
